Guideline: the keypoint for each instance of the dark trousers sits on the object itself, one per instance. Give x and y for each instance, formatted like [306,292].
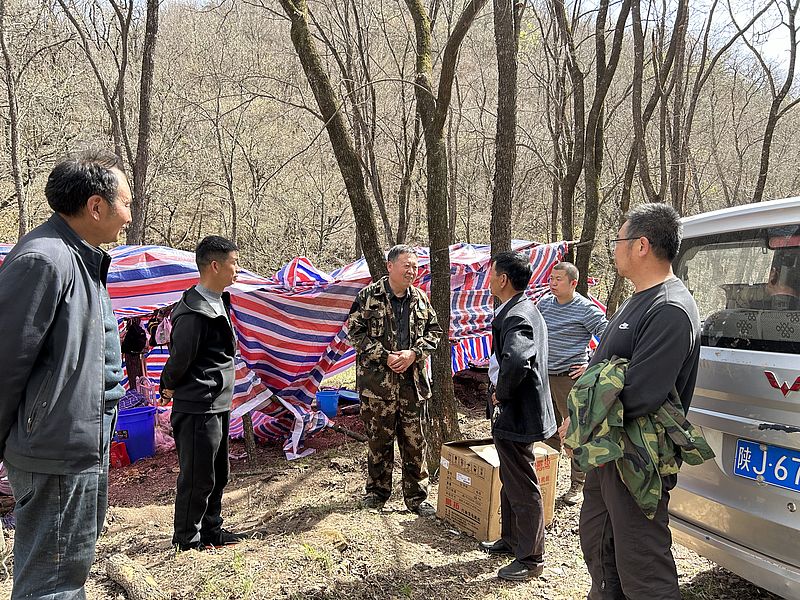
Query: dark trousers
[560,387]
[202,444]
[521,508]
[59,518]
[628,555]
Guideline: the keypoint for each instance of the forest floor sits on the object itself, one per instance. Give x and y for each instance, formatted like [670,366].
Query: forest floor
[310,539]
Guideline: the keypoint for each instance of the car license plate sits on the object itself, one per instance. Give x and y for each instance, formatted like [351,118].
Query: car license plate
[768,464]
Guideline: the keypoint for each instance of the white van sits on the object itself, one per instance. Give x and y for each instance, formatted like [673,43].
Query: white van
[742,265]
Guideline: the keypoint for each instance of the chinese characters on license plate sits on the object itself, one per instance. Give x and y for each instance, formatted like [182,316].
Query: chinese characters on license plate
[768,464]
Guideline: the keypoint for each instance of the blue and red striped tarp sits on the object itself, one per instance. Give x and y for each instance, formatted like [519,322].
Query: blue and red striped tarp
[292,327]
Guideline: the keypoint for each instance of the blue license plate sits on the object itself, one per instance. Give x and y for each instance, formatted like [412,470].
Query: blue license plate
[768,464]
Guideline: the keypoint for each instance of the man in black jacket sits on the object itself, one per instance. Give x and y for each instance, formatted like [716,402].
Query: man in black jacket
[522,398]
[61,367]
[657,329]
[199,378]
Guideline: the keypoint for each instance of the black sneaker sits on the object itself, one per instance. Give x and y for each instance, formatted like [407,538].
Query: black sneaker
[423,509]
[498,547]
[517,571]
[372,501]
[186,547]
[223,538]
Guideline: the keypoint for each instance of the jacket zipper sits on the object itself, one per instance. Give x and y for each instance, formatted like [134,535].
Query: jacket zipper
[102,363]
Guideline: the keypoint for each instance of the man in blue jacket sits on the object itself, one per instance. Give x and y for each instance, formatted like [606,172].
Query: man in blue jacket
[199,377]
[522,398]
[60,364]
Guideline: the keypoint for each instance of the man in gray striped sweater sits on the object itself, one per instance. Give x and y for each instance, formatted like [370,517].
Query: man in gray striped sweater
[571,321]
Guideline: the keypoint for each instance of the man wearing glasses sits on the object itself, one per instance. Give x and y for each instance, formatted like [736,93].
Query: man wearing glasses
[658,331]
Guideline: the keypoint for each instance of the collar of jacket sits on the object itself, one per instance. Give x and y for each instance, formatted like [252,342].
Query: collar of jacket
[383,289]
[512,302]
[93,257]
[195,302]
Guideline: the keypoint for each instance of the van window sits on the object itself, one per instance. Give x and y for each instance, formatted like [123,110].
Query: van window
[747,288]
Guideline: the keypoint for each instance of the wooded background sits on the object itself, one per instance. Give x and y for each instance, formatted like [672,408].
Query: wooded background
[334,128]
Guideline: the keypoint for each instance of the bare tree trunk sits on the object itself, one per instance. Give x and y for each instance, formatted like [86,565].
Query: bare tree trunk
[249,437]
[404,191]
[342,144]
[433,113]
[778,96]
[506,36]
[13,121]
[136,231]
[575,161]
[593,156]
[679,153]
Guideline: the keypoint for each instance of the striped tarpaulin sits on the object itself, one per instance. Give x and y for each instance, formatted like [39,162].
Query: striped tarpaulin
[292,327]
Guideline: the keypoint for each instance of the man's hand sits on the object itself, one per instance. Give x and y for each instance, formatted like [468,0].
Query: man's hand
[562,433]
[576,371]
[166,397]
[495,401]
[399,362]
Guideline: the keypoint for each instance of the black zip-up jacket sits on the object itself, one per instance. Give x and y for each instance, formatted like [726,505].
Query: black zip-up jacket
[519,338]
[202,347]
[52,351]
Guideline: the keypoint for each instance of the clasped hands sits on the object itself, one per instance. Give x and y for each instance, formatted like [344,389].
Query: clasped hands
[400,361]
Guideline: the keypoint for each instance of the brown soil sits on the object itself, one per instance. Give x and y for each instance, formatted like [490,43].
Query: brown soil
[309,539]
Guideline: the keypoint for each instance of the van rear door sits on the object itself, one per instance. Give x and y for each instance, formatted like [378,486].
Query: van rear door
[747,399]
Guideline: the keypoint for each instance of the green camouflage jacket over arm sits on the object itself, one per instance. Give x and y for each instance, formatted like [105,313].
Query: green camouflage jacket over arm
[373,336]
[644,449]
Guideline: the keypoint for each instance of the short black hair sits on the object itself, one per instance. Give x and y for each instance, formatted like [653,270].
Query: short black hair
[80,176]
[516,266]
[396,251]
[570,269]
[211,248]
[660,224]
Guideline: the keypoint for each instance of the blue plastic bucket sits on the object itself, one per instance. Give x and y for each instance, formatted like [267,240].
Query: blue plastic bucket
[136,429]
[328,402]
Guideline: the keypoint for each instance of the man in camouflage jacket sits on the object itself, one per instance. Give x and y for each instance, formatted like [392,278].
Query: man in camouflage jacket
[393,329]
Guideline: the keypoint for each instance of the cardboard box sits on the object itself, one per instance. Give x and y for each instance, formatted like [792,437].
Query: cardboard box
[469,486]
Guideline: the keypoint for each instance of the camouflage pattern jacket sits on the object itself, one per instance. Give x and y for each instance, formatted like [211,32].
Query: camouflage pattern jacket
[373,336]
[644,449]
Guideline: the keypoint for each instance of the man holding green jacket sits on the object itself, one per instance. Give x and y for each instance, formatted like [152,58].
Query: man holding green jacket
[658,330]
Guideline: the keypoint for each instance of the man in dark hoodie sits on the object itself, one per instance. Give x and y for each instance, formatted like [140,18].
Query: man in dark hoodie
[199,378]
[524,415]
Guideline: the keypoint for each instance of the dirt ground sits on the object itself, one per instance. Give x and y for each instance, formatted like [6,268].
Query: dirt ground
[309,539]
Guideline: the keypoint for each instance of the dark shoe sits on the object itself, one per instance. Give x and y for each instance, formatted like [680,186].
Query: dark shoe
[498,547]
[423,509]
[225,538]
[186,547]
[372,501]
[574,495]
[516,571]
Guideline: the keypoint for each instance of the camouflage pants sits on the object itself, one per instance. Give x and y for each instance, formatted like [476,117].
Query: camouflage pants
[385,419]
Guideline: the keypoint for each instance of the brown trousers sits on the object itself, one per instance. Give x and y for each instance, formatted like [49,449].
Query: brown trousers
[560,386]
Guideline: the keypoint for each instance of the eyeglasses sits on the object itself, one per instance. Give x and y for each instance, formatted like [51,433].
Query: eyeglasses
[612,244]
